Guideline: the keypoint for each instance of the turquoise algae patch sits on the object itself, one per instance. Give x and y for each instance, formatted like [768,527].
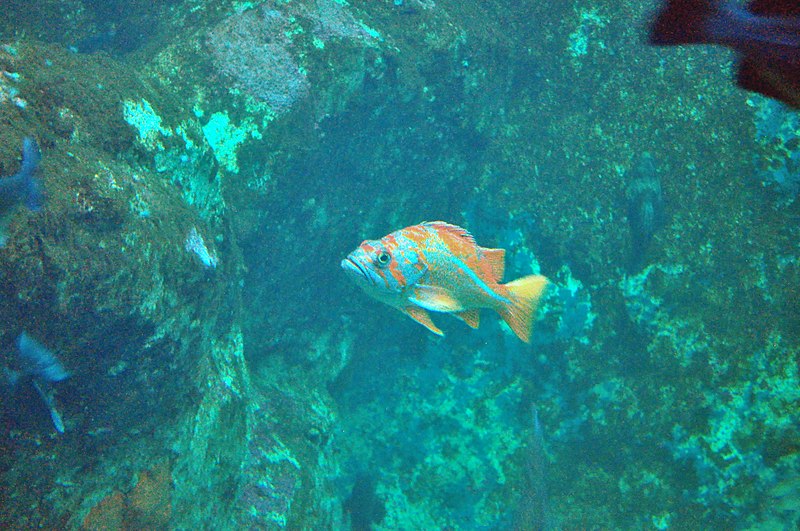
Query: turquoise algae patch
[589,22]
[225,138]
[182,163]
[146,121]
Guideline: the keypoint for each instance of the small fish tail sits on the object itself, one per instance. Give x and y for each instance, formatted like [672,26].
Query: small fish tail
[524,294]
[32,188]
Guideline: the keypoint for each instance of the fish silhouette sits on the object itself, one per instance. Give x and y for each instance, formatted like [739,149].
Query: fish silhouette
[645,208]
[765,33]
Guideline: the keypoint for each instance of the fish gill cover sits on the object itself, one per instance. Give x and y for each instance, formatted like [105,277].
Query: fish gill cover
[208,163]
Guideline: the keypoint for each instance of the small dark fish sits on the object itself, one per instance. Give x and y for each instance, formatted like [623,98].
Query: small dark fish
[765,33]
[363,504]
[38,366]
[96,42]
[22,187]
[533,511]
[645,208]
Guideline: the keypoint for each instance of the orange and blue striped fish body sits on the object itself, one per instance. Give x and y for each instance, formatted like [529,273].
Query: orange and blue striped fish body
[436,266]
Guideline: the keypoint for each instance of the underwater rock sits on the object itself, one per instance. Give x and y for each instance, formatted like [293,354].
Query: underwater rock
[196,245]
[104,271]
[368,132]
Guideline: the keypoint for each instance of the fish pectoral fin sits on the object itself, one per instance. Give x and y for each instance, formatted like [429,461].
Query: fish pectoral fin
[435,299]
[423,318]
[471,317]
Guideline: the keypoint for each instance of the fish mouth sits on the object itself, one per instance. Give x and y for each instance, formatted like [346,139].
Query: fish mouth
[354,268]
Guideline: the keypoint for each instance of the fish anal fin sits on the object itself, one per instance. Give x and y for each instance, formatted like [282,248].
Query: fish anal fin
[496,260]
[524,294]
[435,299]
[471,317]
[422,317]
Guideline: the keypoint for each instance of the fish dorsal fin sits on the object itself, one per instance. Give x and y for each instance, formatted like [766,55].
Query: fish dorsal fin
[452,230]
[471,317]
[435,299]
[423,318]
[496,259]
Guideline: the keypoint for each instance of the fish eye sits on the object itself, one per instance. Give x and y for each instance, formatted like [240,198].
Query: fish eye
[383,258]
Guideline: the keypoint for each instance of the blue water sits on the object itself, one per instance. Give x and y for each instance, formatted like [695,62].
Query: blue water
[207,165]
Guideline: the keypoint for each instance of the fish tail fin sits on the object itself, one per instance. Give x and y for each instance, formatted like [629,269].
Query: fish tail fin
[32,187]
[688,22]
[37,360]
[524,294]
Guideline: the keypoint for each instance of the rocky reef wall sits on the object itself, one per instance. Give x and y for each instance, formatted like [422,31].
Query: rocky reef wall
[208,163]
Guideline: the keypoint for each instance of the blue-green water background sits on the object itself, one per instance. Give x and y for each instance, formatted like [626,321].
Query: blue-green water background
[248,383]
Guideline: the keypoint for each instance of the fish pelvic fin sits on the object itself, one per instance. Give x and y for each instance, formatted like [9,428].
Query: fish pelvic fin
[421,316]
[472,317]
[524,294]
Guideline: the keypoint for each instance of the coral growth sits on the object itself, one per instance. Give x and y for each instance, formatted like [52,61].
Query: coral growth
[108,514]
[253,49]
[147,505]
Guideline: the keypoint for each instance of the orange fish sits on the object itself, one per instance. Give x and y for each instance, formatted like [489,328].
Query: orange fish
[438,267]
